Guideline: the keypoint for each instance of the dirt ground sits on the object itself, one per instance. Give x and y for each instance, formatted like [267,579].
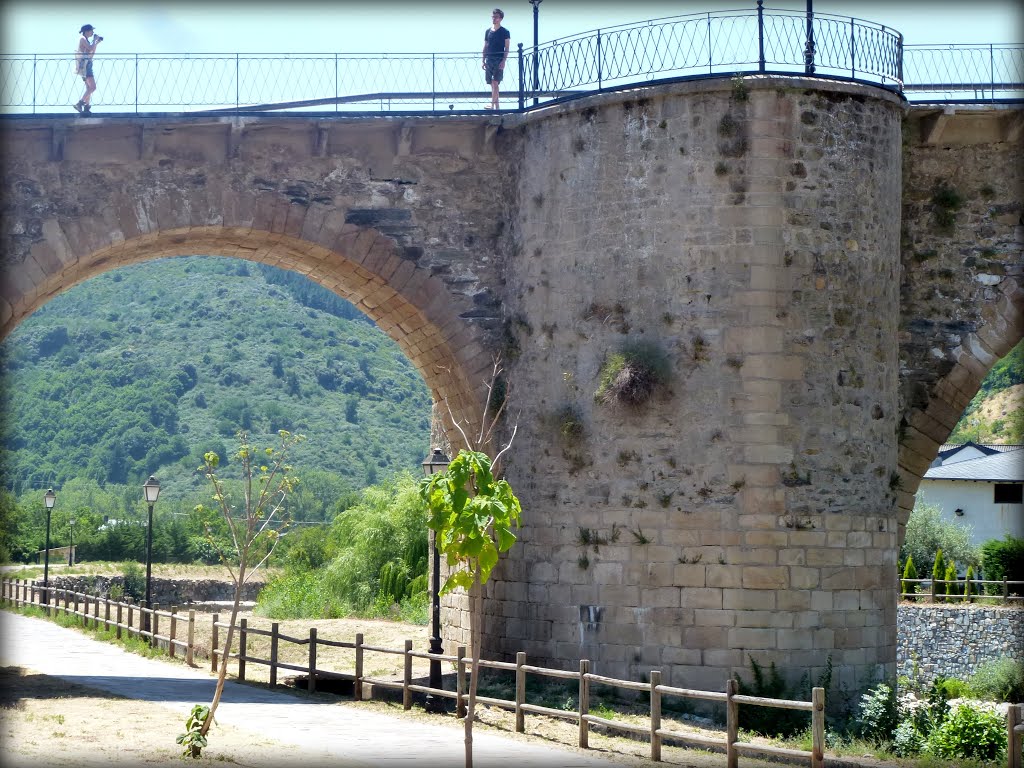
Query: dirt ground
[46,722]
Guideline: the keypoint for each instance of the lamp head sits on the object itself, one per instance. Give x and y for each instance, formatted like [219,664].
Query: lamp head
[152,489]
[49,498]
[436,462]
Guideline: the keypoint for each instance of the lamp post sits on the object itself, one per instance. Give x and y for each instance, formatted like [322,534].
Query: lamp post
[436,462]
[49,499]
[71,546]
[152,491]
[536,61]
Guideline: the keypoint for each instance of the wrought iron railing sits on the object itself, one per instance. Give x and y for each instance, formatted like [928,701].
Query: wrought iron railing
[723,43]
[988,72]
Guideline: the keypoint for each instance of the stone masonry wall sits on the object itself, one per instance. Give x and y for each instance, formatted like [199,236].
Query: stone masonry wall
[953,640]
[747,510]
[166,592]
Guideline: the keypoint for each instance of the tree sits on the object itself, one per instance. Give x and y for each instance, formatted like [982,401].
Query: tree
[255,522]
[909,587]
[472,515]
[938,573]
[927,533]
[951,581]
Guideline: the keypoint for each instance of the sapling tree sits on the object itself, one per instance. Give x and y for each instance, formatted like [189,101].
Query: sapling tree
[473,515]
[253,514]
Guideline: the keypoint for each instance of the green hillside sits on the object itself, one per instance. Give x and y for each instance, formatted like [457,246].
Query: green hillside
[995,414]
[141,370]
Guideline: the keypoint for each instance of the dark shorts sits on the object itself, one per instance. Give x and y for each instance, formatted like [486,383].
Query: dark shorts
[88,70]
[492,72]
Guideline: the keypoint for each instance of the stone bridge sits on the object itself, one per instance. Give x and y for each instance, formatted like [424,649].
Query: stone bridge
[824,273]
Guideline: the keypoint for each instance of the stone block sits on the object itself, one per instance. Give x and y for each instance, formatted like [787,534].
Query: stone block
[765,577]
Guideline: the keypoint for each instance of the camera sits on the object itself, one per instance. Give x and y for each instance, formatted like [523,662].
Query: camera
[97,39]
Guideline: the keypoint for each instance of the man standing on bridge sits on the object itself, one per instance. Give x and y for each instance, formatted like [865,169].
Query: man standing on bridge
[83,65]
[495,53]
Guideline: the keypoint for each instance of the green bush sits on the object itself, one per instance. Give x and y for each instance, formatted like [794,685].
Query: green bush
[907,740]
[969,733]
[999,680]
[134,581]
[878,716]
[1003,559]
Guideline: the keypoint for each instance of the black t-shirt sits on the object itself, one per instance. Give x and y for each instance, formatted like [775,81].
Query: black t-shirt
[494,42]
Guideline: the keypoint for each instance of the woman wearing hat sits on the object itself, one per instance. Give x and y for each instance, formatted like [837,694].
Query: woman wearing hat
[83,60]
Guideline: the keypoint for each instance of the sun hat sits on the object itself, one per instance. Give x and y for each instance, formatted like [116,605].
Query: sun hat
[87,26]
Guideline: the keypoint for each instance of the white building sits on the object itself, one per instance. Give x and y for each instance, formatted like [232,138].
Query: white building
[978,485]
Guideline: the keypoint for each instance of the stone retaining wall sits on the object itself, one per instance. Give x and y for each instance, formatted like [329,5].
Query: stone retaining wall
[954,640]
[166,592]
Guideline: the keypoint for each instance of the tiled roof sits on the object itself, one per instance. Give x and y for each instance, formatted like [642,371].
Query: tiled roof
[996,447]
[1002,467]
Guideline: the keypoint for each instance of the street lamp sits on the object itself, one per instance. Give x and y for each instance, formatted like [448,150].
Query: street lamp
[152,491]
[433,464]
[71,547]
[536,61]
[49,499]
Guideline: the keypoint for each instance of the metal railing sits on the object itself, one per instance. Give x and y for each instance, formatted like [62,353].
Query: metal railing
[988,72]
[716,44]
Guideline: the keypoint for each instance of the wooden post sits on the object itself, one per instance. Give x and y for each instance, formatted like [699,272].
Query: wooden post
[358,688]
[1014,734]
[311,686]
[273,655]
[96,613]
[934,587]
[106,614]
[407,677]
[655,715]
[213,643]
[76,603]
[154,624]
[120,615]
[520,692]
[190,648]
[129,619]
[732,724]
[241,648]
[584,696]
[1006,590]
[460,680]
[818,728]
[172,633]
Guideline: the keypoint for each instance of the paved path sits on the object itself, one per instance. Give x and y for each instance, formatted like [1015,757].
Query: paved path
[341,731]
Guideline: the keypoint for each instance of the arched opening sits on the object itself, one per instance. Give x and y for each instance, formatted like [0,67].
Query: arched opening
[365,268]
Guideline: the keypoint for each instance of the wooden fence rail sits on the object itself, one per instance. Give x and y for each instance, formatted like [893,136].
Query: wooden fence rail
[23,593]
[965,590]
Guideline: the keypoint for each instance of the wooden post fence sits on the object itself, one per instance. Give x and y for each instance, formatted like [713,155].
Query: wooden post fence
[311,686]
[1014,734]
[584,696]
[214,643]
[243,624]
[655,715]
[273,654]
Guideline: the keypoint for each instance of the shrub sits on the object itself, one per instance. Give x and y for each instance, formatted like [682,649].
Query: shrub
[1003,559]
[631,375]
[907,740]
[999,680]
[969,733]
[878,715]
[134,581]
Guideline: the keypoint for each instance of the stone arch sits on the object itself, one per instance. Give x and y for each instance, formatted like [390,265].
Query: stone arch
[928,426]
[360,265]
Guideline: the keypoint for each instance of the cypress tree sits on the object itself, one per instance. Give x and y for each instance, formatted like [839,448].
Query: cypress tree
[909,572]
[952,587]
[938,573]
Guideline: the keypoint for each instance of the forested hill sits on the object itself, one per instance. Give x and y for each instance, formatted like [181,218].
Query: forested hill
[141,370]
